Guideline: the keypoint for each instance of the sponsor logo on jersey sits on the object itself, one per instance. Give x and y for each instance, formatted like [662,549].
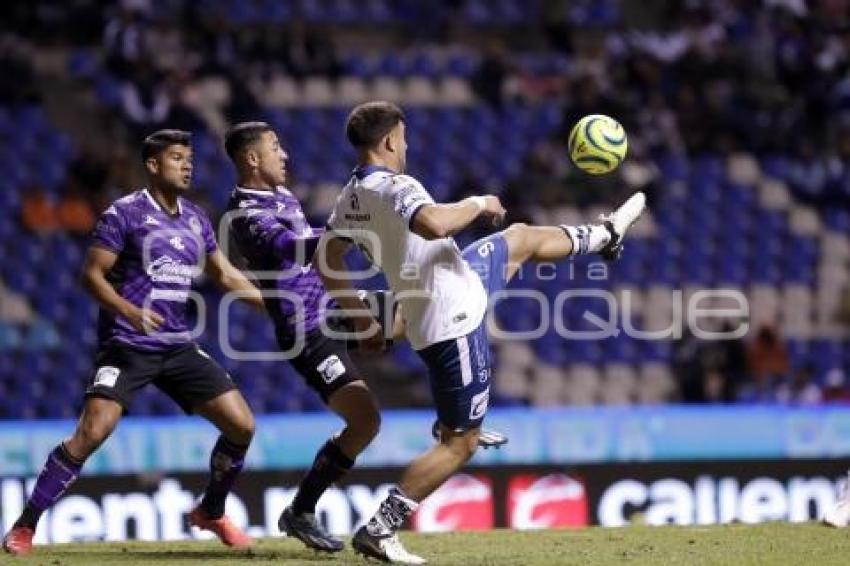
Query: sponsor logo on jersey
[165,269]
[151,220]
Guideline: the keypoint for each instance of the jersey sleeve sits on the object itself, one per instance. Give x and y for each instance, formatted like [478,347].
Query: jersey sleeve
[110,231]
[408,197]
[208,235]
[263,231]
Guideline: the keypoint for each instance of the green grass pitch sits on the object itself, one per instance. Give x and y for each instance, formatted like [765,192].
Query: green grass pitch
[739,545]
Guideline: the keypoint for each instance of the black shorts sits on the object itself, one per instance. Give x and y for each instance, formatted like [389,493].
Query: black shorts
[185,373]
[324,363]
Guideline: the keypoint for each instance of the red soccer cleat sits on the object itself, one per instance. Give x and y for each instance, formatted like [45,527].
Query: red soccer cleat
[18,540]
[223,527]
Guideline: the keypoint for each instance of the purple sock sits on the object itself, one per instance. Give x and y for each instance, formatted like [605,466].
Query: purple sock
[226,462]
[59,472]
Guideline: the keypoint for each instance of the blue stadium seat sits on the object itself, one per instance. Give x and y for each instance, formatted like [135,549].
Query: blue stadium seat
[10,337]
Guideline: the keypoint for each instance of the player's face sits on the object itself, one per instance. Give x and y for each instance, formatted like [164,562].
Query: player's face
[173,167]
[399,143]
[271,159]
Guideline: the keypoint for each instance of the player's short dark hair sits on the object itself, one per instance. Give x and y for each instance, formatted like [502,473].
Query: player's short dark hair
[160,140]
[242,135]
[370,122]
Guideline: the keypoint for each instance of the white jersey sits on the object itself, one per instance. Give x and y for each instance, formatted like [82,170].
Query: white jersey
[441,296]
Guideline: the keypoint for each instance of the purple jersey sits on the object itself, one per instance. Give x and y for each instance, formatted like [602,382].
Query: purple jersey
[272,234]
[158,256]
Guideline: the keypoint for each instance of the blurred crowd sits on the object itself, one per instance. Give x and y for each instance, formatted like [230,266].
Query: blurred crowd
[685,78]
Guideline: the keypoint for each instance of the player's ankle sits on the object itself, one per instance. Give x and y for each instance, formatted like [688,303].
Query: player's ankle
[587,238]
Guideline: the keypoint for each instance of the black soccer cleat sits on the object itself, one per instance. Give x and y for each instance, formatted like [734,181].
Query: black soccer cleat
[306,529]
[486,439]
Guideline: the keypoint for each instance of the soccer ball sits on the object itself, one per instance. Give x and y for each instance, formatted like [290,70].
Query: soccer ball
[597,144]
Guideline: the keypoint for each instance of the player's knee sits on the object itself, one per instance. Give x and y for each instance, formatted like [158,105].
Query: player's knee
[516,236]
[516,232]
[245,428]
[463,446]
[371,424]
[364,423]
[90,434]
[516,229]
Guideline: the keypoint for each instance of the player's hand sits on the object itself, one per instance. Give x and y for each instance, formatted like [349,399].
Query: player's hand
[370,334]
[144,320]
[494,210]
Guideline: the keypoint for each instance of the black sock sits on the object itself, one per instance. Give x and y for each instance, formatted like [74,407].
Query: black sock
[226,462]
[329,466]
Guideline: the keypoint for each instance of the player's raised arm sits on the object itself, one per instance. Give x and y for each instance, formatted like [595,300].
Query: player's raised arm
[433,221]
[98,263]
[229,278]
[330,263]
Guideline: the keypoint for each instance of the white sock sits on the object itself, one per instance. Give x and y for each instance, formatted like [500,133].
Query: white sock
[587,238]
[392,513]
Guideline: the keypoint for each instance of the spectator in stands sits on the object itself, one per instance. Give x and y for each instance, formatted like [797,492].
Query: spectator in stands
[835,387]
[38,213]
[767,357]
[800,389]
[733,363]
[688,368]
[489,79]
[87,175]
[17,82]
[145,100]
[309,52]
[124,37]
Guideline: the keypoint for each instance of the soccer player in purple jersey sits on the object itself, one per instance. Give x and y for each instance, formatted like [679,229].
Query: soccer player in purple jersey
[273,236]
[146,249]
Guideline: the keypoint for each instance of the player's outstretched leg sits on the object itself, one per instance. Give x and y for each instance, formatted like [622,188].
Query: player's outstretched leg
[357,406]
[62,469]
[230,413]
[551,243]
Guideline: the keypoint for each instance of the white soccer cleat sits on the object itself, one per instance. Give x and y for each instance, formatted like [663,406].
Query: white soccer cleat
[619,222]
[385,548]
[839,515]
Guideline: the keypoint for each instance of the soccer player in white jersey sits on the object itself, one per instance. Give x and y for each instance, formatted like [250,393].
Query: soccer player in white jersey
[442,291]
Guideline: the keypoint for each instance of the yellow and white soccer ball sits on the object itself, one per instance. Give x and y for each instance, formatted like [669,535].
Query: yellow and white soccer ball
[597,144]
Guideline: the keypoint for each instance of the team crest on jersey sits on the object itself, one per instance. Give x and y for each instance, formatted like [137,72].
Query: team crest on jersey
[151,220]
[195,225]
